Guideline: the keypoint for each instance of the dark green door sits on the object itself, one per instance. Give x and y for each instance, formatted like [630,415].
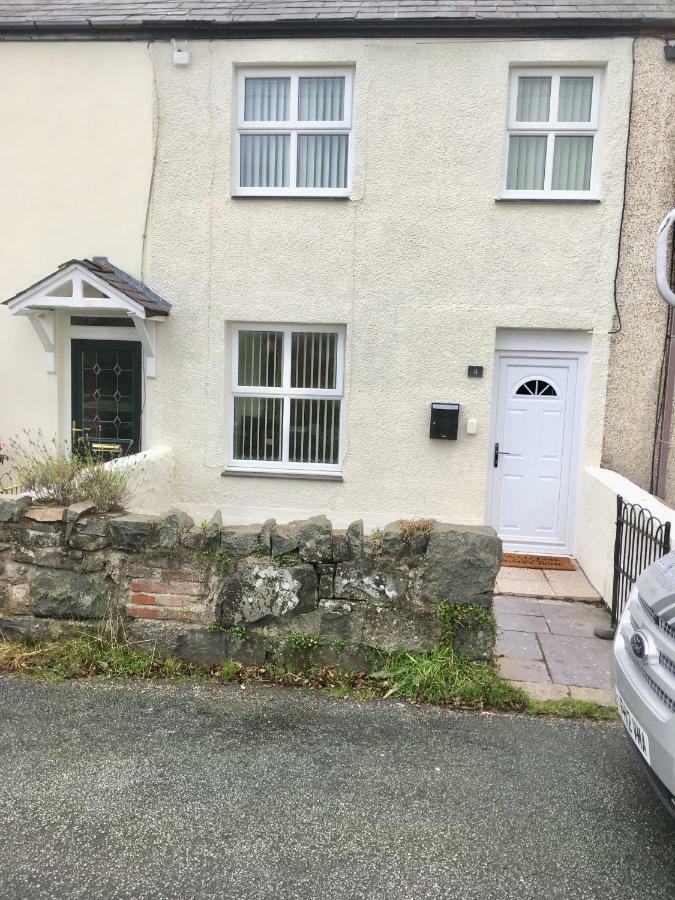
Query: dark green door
[107,398]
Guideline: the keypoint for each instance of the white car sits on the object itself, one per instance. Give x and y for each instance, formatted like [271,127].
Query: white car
[644,655]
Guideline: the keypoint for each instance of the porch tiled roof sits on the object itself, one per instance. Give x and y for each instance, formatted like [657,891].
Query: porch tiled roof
[117,278]
[131,14]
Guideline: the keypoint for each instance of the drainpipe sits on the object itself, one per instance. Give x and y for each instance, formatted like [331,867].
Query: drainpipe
[666,291]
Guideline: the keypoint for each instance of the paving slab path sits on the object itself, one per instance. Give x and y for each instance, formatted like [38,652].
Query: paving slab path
[548,648]
[120,790]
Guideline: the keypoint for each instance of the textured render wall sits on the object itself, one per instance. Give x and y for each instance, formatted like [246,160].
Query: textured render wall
[75,164]
[421,264]
[636,351]
[597,518]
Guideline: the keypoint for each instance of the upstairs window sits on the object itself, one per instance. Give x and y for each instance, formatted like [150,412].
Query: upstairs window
[552,134]
[293,132]
[287,397]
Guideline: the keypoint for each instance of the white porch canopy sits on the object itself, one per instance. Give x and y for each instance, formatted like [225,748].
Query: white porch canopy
[91,287]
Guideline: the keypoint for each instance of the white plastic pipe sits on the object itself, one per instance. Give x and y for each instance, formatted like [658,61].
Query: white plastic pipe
[662,243]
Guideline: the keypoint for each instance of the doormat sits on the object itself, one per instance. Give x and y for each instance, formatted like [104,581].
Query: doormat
[532,561]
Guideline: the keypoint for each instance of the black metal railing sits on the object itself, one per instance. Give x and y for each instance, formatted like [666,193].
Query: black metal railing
[640,539]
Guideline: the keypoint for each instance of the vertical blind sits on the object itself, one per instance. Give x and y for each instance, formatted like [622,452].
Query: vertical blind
[265,160]
[267,99]
[313,359]
[306,142]
[576,99]
[321,99]
[527,162]
[260,358]
[258,423]
[313,423]
[552,157]
[534,99]
[315,431]
[572,160]
[322,160]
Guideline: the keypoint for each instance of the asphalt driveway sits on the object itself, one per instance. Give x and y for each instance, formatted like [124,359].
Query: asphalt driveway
[196,791]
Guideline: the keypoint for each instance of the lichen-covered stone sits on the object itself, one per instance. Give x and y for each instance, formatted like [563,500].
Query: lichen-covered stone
[12,509]
[340,546]
[240,540]
[90,534]
[461,564]
[413,628]
[379,582]
[256,592]
[69,595]
[284,539]
[393,542]
[51,557]
[315,539]
[172,524]
[355,539]
[268,527]
[133,533]
[476,643]
[340,620]
[29,629]
[248,649]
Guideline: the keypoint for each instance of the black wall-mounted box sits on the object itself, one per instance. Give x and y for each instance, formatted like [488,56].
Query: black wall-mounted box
[444,421]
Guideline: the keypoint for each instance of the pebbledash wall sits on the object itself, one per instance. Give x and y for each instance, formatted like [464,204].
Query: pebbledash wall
[637,349]
[421,264]
[255,593]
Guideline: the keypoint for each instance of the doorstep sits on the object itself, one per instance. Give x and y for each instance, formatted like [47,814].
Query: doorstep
[547,648]
[546,583]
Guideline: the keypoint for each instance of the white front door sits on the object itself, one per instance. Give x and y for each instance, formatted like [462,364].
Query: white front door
[535,420]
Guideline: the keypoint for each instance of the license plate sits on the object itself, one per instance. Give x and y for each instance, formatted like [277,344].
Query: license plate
[633,727]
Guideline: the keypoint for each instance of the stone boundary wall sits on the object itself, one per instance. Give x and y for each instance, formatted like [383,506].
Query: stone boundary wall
[207,592]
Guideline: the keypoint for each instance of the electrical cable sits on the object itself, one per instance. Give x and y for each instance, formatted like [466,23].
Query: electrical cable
[617,311]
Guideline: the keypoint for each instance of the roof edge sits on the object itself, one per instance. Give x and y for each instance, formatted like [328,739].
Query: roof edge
[425,27]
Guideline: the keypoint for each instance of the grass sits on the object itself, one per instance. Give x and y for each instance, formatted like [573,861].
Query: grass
[571,709]
[88,655]
[440,676]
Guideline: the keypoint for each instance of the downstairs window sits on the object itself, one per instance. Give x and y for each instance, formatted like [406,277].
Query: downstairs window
[287,397]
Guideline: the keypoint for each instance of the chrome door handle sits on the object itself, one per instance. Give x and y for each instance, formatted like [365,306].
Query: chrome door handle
[499,453]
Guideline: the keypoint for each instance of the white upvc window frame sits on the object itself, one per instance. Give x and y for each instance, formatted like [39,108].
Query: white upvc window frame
[553,128]
[293,127]
[288,393]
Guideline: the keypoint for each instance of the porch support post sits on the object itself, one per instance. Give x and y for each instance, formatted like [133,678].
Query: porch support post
[43,325]
[146,334]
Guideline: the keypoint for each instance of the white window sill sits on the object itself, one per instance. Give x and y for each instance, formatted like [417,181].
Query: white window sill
[245,195]
[507,198]
[278,473]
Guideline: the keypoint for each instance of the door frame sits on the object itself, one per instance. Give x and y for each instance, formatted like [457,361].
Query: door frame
[555,346]
[72,333]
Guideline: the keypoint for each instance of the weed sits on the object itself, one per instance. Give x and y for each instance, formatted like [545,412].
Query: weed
[214,627]
[571,709]
[228,671]
[416,528]
[239,631]
[443,676]
[303,643]
[463,615]
[55,475]
[259,550]
[222,561]
[376,537]
[286,559]
[339,644]
[89,655]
